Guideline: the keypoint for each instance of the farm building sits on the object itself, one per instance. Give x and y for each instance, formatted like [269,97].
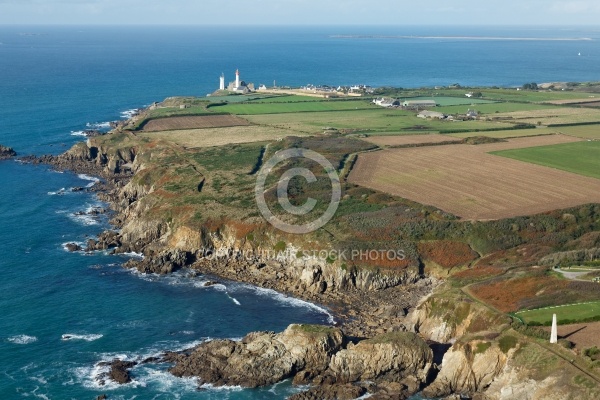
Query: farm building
[387,102]
[415,104]
[432,115]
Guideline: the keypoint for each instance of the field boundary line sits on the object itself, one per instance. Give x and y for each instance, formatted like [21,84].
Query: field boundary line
[564,305]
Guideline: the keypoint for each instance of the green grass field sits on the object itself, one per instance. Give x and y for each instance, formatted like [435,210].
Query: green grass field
[176,111]
[573,312]
[294,107]
[582,158]
[374,119]
[492,108]
[582,131]
[508,133]
[450,101]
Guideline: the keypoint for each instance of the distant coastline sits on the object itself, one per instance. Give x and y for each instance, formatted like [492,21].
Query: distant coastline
[460,38]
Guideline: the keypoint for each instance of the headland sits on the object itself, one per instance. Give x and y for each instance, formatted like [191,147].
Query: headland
[427,293]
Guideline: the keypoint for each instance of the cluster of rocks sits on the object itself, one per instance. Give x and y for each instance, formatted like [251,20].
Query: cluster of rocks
[336,366]
[6,152]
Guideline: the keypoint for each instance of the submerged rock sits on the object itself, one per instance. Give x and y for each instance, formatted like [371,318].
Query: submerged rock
[119,371]
[72,247]
[6,152]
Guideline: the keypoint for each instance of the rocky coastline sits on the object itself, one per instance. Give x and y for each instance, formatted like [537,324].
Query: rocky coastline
[384,300]
[386,325]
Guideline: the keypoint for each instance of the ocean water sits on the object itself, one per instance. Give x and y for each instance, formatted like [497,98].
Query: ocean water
[56,81]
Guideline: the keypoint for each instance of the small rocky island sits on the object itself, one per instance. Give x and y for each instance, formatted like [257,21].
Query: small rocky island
[6,152]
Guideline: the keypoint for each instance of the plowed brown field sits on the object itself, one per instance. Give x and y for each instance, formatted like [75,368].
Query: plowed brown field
[466,181]
[194,122]
[411,140]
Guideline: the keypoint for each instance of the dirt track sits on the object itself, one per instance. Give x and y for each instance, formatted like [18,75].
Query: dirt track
[466,181]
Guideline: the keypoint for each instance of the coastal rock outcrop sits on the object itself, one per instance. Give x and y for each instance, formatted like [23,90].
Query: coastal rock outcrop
[164,263]
[311,354]
[468,368]
[118,372]
[6,152]
[396,357]
[261,358]
[442,319]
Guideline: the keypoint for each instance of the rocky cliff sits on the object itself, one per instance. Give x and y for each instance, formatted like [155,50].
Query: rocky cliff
[312,354]
[468,368]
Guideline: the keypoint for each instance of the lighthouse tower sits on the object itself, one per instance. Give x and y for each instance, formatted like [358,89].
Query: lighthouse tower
[222,82]
[237,78]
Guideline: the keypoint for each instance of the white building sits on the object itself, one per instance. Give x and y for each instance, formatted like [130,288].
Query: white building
[239,86]
[222,82]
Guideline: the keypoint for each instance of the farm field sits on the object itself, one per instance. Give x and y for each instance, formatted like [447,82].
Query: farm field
[408,140]
[208,137]
[466,181]
[513,133]
[591,99]
[582,131]
[193,122]
[292,107]
[449,101]
[583,335]
[375,119]
[494,108]
[553,116]
[581,158]
[532,96]
[574,312]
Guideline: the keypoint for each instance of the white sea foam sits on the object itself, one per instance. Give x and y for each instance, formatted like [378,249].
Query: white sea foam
[92,179]
[64,245]
[282,298]
[58,192]
[87,220]
[129,113]
[78,133]
[234,300]
[210,386]
[86,337]
[98,125]
[39,379]
[38,395]
[185,279]
[134,255]
[22,339]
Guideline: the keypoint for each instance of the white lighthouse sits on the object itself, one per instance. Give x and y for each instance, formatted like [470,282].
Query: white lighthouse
[237,79]
[222,82]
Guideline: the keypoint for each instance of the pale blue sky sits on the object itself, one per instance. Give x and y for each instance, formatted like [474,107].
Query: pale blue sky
[302,12]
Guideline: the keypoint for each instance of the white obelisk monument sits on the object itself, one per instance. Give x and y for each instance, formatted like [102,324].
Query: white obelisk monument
[554,332]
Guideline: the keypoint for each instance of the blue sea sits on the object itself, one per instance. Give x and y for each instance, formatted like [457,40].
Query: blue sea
[57,81]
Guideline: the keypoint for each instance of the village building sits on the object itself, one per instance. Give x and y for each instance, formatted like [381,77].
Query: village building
[386,102]
[432,115]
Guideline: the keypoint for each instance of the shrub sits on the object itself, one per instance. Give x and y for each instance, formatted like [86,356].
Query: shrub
[507,342]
